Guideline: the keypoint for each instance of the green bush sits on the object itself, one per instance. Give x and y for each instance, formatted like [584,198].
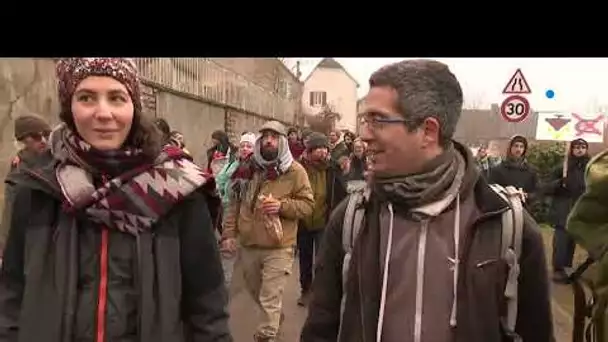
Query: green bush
[545,157]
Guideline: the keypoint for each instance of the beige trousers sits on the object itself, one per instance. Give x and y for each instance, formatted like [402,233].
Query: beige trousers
[265,272]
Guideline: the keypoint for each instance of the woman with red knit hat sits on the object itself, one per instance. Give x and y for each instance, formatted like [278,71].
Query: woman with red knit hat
[110,239]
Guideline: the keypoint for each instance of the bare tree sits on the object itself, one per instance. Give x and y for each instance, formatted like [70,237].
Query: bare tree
[474,102]
[7,118]
[324,121]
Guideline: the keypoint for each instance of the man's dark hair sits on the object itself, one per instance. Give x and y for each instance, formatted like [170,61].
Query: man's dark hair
[425,88]
[292,130]
[163,126]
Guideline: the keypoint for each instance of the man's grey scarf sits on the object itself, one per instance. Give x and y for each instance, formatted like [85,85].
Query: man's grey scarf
[431,185]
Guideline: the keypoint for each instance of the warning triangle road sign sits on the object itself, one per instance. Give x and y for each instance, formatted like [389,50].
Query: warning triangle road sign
[517,84]
[558,122]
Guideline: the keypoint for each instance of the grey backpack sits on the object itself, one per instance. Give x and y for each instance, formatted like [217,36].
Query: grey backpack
[512,230]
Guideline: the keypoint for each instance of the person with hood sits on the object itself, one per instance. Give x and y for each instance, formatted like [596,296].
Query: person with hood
[328,190]
[270,194]
[295,144]
[222,181]
[516,171]
[116,250]
[485,162]
[31,133]
[221,148]
[566,187]
[426,264]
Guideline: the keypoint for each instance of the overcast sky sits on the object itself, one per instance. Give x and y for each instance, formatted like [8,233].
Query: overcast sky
[579,84]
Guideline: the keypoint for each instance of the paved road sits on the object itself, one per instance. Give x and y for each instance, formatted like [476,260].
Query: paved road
[244,311]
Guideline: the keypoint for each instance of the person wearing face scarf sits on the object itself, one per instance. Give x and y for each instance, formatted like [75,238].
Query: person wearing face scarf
[329,190]
[516,171]
[221,148]
[121,246]
[565,189]
[269,185]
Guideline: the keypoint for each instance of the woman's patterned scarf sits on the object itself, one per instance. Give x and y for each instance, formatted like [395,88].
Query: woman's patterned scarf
[134,192]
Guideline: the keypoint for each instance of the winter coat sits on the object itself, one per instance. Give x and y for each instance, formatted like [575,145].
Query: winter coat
[60,274]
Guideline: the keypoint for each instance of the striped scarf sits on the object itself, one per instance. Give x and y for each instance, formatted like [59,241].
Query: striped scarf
[130,201]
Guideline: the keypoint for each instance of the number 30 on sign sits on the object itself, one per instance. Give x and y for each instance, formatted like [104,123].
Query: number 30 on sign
[515,108]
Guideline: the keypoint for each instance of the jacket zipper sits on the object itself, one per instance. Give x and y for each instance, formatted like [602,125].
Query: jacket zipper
[102,300]
[420,269]
[103,286]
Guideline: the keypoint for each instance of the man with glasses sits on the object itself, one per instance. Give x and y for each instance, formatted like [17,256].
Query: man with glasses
[31,134]
[426,262]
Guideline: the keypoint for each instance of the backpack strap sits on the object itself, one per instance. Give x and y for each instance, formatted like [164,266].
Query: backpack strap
[353,220]
[510,249]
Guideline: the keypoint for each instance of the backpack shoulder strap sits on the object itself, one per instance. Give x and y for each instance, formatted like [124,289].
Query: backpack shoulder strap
[510,249]
[353,220]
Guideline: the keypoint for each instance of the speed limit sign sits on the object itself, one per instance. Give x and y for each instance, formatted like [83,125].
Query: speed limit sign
[515,108]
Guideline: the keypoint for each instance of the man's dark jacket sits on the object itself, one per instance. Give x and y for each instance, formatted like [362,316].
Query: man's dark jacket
[23,159]
[480,288]
[566,191]
[335,189]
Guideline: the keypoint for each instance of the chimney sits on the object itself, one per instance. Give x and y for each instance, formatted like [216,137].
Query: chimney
[298,71]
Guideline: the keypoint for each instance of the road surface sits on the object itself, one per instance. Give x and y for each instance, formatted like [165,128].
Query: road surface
[244,311]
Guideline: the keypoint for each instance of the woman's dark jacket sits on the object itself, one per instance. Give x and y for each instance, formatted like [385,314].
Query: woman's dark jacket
[163,285]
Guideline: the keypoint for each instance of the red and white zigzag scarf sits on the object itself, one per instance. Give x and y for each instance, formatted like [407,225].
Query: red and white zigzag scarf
[132,201]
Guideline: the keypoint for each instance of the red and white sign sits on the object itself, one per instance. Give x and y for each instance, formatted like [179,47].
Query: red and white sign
[564,126]
[517,84]
[515,108]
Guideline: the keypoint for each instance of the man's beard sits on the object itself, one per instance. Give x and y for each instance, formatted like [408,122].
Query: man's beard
[269,153]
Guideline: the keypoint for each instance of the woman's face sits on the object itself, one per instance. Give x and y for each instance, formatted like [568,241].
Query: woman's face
[347,139]
[103,112]
[245,149]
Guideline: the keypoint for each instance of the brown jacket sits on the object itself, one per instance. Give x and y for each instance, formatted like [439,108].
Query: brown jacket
[293,190]
[480,285]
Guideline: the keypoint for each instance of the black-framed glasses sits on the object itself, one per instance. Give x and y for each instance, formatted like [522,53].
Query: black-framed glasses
[377,121]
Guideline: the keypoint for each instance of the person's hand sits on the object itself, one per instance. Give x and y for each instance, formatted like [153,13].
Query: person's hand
[228,245]
[271,206]
[524,196]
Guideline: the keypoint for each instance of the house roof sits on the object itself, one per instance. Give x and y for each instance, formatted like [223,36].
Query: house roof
[330,63]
